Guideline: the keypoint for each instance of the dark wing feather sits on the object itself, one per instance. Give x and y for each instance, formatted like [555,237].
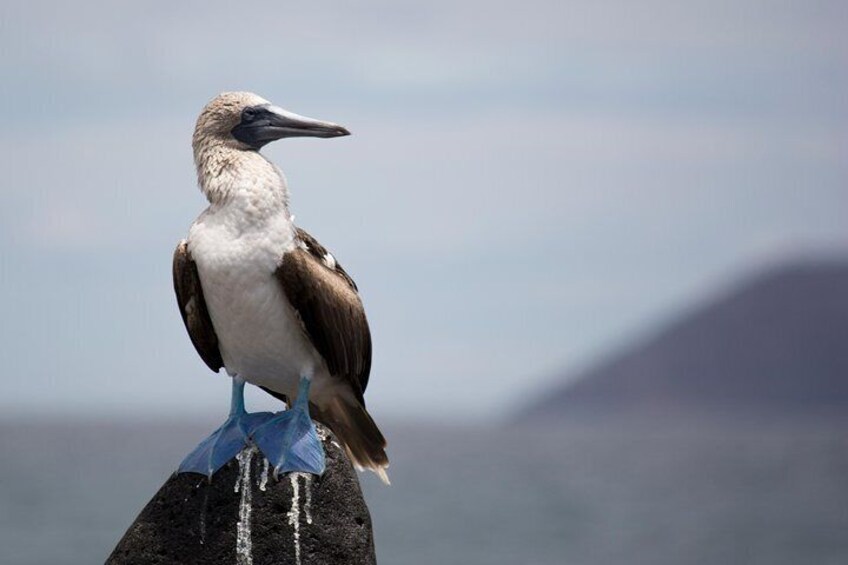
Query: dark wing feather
[193,308]
[326,300]
[320,252]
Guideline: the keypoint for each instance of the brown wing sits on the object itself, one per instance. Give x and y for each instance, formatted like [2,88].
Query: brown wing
[325,298]
[193,308]
[321,253]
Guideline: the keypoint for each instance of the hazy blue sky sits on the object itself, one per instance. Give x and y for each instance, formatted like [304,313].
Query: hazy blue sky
[527,184]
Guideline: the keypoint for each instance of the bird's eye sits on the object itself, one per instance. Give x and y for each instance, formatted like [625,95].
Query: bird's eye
[248,114]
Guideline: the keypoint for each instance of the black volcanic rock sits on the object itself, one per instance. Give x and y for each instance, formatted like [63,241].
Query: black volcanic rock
[300,519]
[777,344]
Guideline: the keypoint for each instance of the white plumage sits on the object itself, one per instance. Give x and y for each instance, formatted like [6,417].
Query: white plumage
[237,245]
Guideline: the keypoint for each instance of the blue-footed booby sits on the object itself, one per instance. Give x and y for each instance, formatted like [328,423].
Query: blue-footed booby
[262,299]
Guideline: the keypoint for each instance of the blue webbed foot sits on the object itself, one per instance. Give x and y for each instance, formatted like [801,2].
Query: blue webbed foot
[290,441]
[228,440]
[222,445]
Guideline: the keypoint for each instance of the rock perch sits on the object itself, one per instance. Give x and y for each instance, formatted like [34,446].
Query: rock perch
[246,517]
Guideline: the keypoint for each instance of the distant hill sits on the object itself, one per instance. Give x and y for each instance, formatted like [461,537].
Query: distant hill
[777,344]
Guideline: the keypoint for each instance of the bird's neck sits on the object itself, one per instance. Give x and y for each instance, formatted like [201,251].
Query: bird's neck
[235,178]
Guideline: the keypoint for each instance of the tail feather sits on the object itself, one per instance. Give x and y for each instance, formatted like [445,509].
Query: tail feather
[357,432]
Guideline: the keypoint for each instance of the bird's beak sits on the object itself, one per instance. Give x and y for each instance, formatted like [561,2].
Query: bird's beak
[266,123]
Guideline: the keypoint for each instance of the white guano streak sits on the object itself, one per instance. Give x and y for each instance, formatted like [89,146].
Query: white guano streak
[294,515]
[244,545]
[307,479]
[263,479]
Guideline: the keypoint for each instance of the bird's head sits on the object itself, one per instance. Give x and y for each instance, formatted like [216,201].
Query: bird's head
[243,120]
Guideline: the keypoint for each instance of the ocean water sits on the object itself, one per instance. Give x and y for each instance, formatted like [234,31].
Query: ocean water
[585,494]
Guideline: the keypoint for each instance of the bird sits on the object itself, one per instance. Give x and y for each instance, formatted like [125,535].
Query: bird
[262,299]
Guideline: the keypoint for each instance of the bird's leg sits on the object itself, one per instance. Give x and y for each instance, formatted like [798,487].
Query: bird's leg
[289,439]
[225,442]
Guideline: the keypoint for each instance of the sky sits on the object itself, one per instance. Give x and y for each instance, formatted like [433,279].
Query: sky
[528,185]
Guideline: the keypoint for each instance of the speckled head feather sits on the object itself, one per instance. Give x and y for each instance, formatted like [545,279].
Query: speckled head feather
[219,157]
[221,115]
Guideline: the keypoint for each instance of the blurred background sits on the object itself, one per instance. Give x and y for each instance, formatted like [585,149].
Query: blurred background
[602,245]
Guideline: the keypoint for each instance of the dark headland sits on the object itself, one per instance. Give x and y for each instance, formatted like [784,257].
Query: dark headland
[774,346]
